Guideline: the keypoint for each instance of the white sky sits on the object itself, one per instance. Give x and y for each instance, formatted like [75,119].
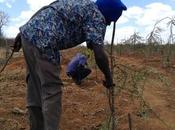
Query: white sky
[138,18]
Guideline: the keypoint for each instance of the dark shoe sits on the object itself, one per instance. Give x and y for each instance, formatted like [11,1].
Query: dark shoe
[68,74]
[78,82]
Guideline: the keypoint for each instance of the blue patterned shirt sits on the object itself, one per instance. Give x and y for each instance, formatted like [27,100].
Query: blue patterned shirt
[64,24]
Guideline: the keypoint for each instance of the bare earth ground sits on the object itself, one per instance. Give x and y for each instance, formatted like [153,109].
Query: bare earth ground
[86,107]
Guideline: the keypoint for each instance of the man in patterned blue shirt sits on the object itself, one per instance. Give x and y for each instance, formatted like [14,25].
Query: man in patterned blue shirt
[61,25]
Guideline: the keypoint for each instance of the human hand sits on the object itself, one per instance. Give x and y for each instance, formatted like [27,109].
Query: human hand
[108,84]
[17,44]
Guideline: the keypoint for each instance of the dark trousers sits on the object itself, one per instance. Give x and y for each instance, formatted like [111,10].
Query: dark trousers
[44,90]
[80,73]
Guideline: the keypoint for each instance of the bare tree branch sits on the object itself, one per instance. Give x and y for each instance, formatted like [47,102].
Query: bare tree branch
[3,20]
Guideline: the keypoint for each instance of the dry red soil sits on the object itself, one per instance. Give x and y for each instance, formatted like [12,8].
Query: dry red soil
[86,107]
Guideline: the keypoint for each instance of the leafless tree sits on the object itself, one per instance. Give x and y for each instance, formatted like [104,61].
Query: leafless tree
[3,21]
[154,38]
[135,38]
[171,25]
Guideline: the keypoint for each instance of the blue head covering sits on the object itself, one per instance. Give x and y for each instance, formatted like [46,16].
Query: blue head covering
[111,9]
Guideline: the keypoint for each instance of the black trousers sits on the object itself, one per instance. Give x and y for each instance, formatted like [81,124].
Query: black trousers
[80,73]
[44,90]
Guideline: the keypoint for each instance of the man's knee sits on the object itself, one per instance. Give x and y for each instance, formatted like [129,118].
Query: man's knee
[51,92]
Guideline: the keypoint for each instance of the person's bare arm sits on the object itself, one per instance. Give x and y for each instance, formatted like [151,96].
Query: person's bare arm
[103,63]
[17,44]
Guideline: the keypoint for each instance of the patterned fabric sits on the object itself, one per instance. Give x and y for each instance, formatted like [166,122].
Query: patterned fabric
[64,24]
